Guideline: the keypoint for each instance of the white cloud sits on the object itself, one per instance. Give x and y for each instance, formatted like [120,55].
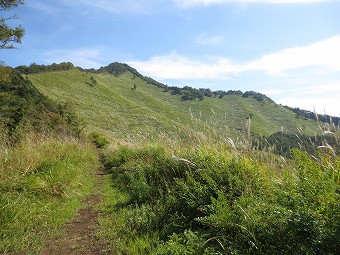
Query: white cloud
[319,58]
[204,39]
[323,55]
[86,58]
[328,105]
[328,89]
[323,89]
[323,97]
[175,66]
[190,3]
[270,92]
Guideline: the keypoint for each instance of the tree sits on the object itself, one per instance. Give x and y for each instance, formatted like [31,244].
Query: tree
[93,80]
[9,35]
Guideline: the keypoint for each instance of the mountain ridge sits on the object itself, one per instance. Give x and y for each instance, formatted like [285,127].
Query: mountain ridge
[125,105]
[117,68]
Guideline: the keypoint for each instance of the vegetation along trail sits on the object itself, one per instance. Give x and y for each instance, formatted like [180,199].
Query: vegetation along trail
[109,161]
[177,182]
[79,235]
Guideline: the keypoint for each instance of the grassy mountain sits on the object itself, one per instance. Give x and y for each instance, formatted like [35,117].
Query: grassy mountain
[191,193]
[129,107]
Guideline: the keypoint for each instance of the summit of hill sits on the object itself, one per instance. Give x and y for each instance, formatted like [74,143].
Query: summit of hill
[123,104]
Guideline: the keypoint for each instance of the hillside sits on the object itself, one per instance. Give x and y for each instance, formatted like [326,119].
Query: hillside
[129,108]
[23,109]
[169,183]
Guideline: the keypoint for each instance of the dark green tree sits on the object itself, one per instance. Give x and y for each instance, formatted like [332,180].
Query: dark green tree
[93,80]
[9,35]
[134,87]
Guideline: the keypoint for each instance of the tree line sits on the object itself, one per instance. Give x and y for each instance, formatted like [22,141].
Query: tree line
[282,143]
[117,69]
[305,114]
[35,68]
[186,92]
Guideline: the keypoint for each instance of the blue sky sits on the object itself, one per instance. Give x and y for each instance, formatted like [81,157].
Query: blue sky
[287,49]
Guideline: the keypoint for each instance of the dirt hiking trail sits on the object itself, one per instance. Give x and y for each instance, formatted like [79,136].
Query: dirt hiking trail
[79,235]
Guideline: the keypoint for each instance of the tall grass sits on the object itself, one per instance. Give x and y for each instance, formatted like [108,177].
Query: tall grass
[41,185]
[215,200]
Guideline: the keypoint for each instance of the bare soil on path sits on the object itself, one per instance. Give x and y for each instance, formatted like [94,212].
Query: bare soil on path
[79,235]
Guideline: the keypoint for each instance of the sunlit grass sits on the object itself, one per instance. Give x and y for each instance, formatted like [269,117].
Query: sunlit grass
[41,185]
[217,199]
[132,116]
[183,178]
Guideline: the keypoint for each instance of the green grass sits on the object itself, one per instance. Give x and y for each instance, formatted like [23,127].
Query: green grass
[113,231]
[212,200]
[148,114]
[110,106]
[176,186]
[41,187]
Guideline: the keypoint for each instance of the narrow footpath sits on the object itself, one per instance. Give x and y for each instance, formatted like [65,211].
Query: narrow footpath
[79,235]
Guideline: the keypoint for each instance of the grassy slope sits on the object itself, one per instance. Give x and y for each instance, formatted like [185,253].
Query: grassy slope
[111,106]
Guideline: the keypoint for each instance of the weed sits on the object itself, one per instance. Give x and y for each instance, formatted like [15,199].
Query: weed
[211,200]
[41,185]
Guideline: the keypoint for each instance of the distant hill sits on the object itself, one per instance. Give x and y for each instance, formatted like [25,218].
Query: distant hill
[126,105]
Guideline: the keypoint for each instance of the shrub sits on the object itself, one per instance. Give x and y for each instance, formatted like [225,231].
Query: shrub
[99,140]
[212,201]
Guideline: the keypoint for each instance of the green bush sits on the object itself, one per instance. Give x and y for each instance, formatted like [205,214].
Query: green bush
[99,140]
[187,243]
[212,201]
[24,110]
